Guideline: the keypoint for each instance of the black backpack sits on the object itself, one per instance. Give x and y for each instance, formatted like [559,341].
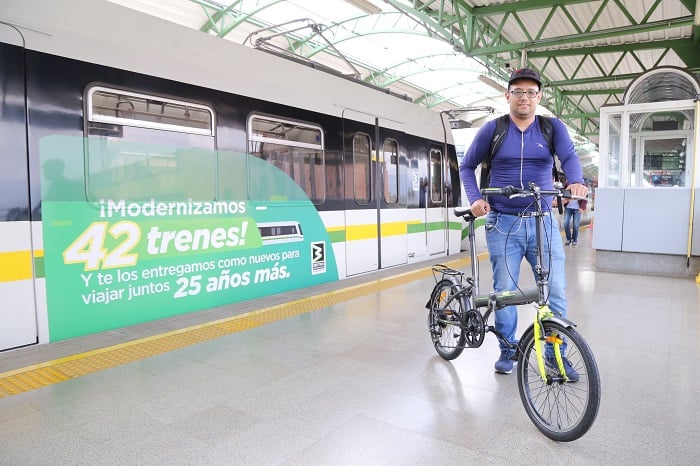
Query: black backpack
[497,140]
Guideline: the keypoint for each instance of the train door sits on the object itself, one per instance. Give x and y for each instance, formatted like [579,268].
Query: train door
[361,205]
[436,207]
[18,309]
[391,213]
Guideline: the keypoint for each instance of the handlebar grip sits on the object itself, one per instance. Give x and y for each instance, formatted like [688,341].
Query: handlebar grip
[504,191]
[565,193]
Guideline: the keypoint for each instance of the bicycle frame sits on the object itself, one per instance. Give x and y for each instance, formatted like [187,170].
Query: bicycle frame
[494,301]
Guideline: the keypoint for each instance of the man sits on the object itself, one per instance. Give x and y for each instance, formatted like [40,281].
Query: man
[523,157]
[573,209]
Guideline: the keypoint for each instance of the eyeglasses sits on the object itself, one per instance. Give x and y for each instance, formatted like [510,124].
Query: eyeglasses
[531,93]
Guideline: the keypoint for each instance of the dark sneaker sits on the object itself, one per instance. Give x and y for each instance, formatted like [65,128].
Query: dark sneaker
[571,373]
[568,242]
[505,363]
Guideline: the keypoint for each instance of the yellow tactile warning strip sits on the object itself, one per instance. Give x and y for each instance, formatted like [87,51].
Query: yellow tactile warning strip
[59,370]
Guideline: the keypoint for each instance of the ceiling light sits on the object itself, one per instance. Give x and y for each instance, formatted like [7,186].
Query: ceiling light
[491,83]
[365,6]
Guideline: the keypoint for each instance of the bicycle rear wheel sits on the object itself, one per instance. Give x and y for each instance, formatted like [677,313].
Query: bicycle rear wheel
[562,410]
[444,320]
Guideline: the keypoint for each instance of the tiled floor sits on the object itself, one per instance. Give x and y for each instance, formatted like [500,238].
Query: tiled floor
[359,383]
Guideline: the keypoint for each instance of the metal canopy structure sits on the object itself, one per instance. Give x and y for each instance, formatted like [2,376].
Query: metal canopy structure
[451,54]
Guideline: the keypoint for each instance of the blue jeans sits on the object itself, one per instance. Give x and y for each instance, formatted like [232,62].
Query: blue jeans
[569,215]
[510,239]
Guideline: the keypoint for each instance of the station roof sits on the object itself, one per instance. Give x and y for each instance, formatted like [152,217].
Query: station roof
[456,55]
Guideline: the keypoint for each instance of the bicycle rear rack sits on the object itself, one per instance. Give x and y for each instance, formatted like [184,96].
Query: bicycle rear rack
[443,271]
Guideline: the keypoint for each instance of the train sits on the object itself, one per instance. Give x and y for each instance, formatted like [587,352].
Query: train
[150,170]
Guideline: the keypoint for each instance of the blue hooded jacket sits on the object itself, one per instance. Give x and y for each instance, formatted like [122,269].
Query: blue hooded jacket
[522,158]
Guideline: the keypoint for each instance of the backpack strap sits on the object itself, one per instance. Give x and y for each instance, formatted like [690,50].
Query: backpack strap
[547,129]
[497,138]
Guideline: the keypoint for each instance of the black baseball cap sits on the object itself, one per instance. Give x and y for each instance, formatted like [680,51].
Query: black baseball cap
[525,73]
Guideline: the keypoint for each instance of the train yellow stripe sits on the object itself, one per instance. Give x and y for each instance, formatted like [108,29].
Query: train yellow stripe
[394,228]
[15,265]
[356,232]
[368,231]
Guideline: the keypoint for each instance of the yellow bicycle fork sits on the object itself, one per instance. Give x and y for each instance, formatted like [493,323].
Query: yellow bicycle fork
[544,312]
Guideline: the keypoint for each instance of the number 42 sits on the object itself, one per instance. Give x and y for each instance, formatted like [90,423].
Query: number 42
[89,247]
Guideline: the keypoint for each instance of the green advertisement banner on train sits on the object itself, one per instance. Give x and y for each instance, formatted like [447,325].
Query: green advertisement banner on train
[113,261]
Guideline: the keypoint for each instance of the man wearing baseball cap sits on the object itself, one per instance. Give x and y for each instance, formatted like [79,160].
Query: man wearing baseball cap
[523,157]
[525,73]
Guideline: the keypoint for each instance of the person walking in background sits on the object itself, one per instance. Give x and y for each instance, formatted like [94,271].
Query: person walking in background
[573,208]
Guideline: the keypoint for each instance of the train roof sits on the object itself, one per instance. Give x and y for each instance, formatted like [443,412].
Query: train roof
[112,35]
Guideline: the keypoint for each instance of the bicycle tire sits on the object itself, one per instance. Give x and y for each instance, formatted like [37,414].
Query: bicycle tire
[448,339]
[561,410]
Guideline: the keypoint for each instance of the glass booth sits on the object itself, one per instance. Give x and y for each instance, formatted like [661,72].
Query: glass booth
[646,218]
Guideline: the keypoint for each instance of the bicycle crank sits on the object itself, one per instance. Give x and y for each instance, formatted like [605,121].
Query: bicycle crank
[474,328]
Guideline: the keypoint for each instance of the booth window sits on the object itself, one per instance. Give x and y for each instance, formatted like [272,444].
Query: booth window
[658,142]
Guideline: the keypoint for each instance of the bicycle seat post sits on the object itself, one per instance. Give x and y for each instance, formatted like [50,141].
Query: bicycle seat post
[472,253]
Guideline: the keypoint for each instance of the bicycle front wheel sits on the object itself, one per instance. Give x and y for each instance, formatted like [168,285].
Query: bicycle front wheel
[562,409]
[444,320]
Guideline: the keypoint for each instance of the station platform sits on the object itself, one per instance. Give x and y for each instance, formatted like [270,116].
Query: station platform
[345,374]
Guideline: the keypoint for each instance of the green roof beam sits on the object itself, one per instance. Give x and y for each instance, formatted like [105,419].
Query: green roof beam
[615,90]
[488,10]
[577,38]
[221,13]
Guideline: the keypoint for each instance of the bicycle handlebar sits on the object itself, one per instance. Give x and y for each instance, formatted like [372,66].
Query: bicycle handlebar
[532,190]
[512,191]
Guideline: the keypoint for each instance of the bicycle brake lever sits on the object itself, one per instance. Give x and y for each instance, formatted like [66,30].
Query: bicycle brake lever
[560,209]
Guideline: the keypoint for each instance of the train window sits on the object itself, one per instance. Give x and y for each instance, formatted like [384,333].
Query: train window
[119,107]
[362,159]
[436,183]
[143,147]
[294,148]
[390,171]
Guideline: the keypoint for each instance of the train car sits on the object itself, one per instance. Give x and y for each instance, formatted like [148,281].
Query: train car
[149,170]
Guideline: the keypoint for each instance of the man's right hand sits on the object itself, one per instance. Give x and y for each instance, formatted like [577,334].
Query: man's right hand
[480,207]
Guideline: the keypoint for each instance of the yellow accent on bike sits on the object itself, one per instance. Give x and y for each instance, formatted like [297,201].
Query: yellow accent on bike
[544,312]
[560,362]
[538,342]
